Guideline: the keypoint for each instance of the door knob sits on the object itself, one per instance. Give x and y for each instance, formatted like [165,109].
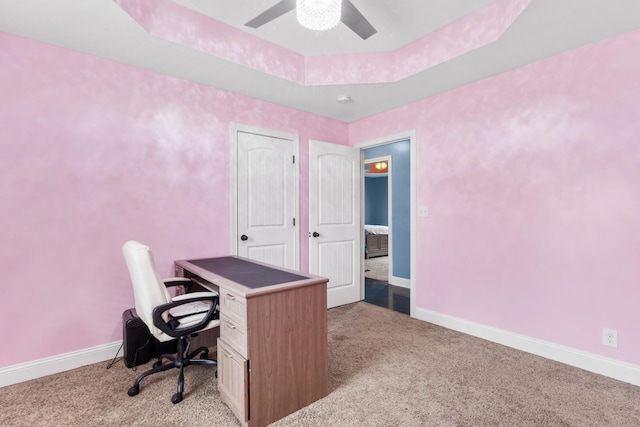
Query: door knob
[316,234]
[244,237]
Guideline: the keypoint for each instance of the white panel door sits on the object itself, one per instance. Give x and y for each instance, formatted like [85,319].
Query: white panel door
[266,199]
[334,220]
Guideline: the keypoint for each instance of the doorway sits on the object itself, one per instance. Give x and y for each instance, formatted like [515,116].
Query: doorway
[378,241]
[388,221]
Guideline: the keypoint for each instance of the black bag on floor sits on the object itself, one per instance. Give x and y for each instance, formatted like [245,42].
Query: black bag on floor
[138,344]
[136,339]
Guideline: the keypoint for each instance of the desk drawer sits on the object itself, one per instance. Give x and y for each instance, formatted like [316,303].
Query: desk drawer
[235,335]
[234,306]
[233,381]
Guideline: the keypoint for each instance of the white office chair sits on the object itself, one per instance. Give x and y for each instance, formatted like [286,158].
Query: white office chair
[169,318]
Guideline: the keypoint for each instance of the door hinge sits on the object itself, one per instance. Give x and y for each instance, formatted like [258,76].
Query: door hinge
[294,222]
[294,160]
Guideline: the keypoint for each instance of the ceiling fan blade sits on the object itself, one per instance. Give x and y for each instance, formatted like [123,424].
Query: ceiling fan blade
[272,13]
[352,18]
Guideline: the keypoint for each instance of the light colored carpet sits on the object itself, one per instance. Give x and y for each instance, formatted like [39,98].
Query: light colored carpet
[385,369]
[377,268]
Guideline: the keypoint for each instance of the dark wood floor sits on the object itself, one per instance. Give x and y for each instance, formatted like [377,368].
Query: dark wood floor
[383,294]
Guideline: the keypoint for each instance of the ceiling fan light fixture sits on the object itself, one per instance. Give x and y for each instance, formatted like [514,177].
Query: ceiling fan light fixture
[318,15]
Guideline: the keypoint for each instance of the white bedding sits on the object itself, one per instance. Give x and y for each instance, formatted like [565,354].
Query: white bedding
[376,229]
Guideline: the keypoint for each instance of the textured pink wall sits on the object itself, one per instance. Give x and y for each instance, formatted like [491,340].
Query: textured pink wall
[532,179]
[93,153]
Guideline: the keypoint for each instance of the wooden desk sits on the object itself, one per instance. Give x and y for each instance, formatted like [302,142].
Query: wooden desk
[272,350]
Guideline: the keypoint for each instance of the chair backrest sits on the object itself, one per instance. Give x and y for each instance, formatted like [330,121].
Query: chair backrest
[149,290]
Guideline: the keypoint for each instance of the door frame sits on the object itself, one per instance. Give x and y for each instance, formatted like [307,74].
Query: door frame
[389,161]
[411,136]
[234,129]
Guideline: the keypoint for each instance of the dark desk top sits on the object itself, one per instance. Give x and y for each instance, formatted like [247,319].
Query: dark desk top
[246,273]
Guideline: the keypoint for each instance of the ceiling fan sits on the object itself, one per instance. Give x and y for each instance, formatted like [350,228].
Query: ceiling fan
[351,17]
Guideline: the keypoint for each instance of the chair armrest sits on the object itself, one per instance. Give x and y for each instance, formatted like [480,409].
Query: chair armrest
[165,327]
[178,281]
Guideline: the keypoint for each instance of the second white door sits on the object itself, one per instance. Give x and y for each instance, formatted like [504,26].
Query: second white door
[334,220]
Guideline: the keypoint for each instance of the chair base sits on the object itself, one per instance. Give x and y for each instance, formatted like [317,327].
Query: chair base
[180,360]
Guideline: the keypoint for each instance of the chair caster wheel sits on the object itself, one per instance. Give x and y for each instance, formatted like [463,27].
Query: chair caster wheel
[156,364]
[133,391]
[176,398]
[204,355]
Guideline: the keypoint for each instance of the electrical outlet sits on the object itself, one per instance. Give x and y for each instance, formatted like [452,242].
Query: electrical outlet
[610,337]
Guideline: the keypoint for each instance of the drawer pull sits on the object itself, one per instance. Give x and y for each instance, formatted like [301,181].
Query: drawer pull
[229,324]
[229,355]
[231,297]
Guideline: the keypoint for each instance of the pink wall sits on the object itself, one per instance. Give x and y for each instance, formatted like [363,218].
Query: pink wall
[93,153]
[532,179]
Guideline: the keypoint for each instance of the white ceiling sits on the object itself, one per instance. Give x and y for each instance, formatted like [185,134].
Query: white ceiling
[545,28]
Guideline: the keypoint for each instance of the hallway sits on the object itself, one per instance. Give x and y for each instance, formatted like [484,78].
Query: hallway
[377,289]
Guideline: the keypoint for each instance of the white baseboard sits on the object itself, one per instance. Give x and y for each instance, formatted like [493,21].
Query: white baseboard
[612,368]
[590,362]
[63,362]
[400,281]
